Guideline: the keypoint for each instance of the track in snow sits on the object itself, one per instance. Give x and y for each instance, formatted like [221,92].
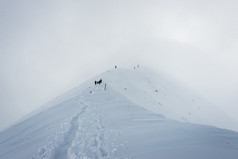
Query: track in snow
[85,137]
[62,151]
[94,138]
[90,137]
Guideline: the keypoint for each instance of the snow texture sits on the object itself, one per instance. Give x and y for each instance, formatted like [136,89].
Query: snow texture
[137,116]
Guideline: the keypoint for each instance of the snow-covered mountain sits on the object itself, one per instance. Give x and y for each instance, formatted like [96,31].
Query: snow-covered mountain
[132,114]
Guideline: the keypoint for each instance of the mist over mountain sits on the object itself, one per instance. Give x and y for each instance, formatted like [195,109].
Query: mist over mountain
[48,47]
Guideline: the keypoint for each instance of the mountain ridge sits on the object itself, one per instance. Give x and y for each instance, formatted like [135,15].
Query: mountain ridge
[91,122]
[152,92]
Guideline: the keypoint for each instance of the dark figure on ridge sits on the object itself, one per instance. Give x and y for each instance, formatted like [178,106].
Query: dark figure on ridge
[98,82]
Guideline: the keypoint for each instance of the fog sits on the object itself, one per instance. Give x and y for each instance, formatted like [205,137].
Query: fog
[48,47]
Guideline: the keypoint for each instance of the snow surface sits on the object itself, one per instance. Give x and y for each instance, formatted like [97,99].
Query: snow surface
[138,116]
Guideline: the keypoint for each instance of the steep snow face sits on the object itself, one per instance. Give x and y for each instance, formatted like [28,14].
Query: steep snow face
[97,123]
[162,95]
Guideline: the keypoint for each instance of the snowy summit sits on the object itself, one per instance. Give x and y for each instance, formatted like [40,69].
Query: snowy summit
[124,113]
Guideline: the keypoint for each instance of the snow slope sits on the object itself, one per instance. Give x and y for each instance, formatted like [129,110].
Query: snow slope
[123,121]
[160,94]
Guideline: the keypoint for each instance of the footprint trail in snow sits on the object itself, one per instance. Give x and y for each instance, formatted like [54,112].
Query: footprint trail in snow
[62,150]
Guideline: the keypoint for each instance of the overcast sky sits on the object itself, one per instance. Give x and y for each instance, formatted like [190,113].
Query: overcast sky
[50,46]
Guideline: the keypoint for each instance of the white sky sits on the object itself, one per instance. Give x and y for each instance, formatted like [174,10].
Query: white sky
[47,47]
